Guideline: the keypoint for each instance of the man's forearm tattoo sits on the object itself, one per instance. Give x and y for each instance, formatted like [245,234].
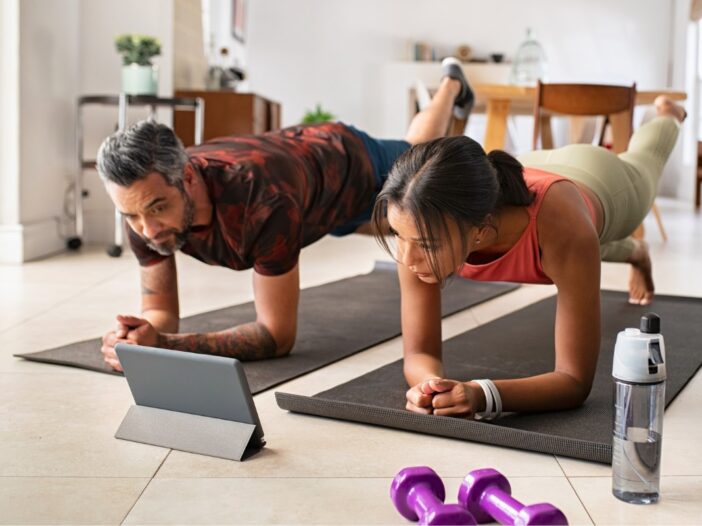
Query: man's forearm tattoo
[251,341]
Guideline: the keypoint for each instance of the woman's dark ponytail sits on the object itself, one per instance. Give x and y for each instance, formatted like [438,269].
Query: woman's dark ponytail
[510,175]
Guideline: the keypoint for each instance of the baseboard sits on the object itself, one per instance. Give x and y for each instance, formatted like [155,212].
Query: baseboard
[25,242]
[11,244]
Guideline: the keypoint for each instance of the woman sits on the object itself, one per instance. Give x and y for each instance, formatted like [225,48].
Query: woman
[550,218]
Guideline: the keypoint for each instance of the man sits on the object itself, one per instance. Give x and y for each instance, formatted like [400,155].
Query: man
[243,202]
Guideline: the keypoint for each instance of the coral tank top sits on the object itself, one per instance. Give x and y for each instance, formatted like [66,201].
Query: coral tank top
[522,262]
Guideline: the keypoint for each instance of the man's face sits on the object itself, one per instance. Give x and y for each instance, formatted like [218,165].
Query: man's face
[162,215]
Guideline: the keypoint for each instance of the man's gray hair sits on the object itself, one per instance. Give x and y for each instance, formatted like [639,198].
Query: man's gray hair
[145,147]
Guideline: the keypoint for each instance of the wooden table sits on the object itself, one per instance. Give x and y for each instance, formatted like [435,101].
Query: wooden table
[501,100]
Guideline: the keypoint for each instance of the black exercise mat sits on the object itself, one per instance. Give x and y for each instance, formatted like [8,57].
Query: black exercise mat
[336,320]
[517,345]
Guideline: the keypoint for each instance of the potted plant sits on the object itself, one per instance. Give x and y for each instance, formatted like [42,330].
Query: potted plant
[139,75]
[317,116]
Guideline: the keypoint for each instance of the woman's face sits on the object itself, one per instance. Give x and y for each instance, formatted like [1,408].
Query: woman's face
[413,251]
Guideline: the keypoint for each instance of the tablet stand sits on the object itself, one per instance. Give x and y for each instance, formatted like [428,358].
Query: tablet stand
[186,432]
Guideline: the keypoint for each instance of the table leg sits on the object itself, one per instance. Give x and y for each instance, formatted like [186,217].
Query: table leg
[496,127]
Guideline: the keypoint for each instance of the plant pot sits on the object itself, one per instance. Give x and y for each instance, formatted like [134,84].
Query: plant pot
[139,80]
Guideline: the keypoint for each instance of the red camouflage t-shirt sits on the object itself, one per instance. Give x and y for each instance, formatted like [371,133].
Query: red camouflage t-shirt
[273,194]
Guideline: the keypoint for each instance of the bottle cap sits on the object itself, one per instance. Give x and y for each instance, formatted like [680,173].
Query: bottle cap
[639,355]
[650,323]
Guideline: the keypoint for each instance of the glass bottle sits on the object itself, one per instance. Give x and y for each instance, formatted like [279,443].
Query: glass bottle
[529,62]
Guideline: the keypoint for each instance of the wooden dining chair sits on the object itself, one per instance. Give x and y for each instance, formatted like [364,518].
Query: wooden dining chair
[614,103]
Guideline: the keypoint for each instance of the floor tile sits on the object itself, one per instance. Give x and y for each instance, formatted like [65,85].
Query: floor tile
[60,425]
[309,500]
[307,446]
[265,501]
[680,502]
[63,500]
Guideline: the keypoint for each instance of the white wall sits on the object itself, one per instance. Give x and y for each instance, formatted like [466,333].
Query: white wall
[9,113]
[189,60]
[680,174]
[48,86]
[40,79]
[52,51]
[219,20]
[333,51]
[100,22]
[330,50]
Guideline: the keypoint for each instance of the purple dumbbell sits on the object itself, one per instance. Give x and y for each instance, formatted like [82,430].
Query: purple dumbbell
[418,494]
[486,494]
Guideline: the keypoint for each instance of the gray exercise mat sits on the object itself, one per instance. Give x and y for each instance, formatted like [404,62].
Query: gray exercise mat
[336,320]
[517,345]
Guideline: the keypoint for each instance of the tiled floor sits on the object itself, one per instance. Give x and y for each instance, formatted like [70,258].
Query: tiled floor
[59,462]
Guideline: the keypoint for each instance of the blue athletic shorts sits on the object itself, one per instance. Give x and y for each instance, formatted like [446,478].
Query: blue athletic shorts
[382,153]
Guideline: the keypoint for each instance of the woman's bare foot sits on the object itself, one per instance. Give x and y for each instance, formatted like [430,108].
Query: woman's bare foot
[666,107]
[640,277]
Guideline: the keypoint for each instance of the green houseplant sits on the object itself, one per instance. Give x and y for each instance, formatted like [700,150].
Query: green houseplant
[317,116]
[139,75]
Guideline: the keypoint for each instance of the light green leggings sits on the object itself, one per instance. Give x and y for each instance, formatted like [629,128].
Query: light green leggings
[626,184]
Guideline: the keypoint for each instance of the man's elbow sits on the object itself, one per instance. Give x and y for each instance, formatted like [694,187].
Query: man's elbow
[284,344]
[272,340]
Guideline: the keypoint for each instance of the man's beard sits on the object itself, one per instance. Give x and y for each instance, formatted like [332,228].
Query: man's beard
[180,236]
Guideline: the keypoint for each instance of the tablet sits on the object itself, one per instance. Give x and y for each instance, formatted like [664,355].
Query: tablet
[198,384]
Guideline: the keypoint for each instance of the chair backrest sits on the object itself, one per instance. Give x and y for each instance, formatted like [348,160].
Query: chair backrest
[584,100]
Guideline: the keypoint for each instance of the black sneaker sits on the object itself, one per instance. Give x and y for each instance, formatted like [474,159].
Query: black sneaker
[451,67]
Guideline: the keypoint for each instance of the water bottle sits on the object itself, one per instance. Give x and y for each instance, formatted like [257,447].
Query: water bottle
[639,401]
